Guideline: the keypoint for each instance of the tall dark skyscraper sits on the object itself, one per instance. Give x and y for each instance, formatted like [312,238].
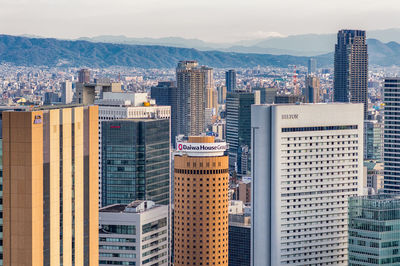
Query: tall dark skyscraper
[351,68]
[230,79]
[84,76]
[238,123]
[135,156]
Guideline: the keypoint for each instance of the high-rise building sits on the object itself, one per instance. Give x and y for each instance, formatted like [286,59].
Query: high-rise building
[190,99]
[311,90]
[201,202]
[373,140]
[267,95]
[135,161]
[239,239]
[209,77]
[66,92]
[351,68]
[238,123]
[391,136]
[374,175]
[374,229]
[312,66]
[307,161]
[133,234]
[221,94]
[84,75]
[230,80]
[163,92]
[50,188]
[126,106]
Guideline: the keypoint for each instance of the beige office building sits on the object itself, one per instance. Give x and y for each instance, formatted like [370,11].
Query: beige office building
[50,187]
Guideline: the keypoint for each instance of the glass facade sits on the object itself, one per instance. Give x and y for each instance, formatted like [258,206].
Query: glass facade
[374,230]
[135,161]
[239,245]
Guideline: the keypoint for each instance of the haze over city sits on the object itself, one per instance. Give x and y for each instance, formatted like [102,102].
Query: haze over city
[213,21]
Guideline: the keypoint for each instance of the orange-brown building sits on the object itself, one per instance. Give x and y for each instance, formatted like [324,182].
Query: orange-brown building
[50,187]
[201,202]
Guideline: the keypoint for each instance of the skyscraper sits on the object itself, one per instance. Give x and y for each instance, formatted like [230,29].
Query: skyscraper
[230,80]
[190,99]
[351,68]
[66,92]
[201,202]
[311,90]
[391,135]
[136,161]
[163,92]
[238,123]
[312,66]
[374,229]
[50,186]
[307,161]
[84,75]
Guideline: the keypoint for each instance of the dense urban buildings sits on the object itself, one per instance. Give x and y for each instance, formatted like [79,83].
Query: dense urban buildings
[351,68]
[50,186]
[133,234]
[191,99]
[230,80]
[305,167]
[374,229]
[135,161]
[201,202]
[391,135]
[238,124]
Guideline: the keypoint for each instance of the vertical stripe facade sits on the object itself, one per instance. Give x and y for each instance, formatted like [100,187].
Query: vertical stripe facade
[51,187]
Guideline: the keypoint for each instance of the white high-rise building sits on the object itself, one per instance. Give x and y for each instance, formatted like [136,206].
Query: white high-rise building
[66,92]
[134,234]
[307,161]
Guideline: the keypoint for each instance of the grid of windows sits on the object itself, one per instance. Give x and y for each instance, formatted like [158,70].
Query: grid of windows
[318,174]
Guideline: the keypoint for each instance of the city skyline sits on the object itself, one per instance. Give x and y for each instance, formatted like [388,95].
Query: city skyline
[196,18]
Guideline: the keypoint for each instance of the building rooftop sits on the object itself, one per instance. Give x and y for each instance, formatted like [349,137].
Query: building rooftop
[136,206]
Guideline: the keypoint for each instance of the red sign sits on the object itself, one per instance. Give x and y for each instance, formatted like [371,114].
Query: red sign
[115,126]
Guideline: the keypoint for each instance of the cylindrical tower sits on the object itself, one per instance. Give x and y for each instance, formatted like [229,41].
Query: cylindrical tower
[201,202]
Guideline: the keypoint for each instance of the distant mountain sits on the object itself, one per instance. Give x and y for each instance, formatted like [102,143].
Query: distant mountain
[297,45]
[53,52]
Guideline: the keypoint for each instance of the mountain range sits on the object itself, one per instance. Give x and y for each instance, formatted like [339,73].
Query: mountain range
[32,51]
[298,45]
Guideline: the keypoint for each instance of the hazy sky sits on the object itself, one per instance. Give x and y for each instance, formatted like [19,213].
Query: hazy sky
[210,20]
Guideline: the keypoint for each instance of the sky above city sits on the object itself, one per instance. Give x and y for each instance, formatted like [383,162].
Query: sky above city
[209,20]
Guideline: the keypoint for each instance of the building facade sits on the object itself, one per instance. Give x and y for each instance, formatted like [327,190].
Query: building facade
[238,123]
[230,80]
[50,190]
[306,163]
[190,99]
[84,75]
[373,146]
[201,202]
[391,155]
[66,92]
[374,230]
[311,90]
[126,106]
[239,240]
[135,161]
[351,68]
[133,234]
